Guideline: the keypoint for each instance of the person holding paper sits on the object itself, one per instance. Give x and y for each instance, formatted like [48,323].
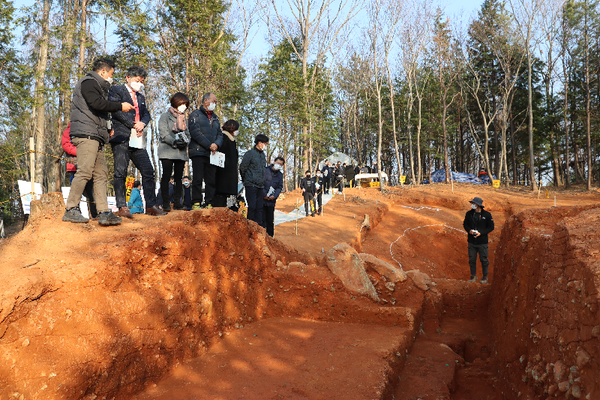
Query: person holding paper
[128,142]
[271,191]
[89,133]
[227,177]
[252,170]
[172,150]
[206,139]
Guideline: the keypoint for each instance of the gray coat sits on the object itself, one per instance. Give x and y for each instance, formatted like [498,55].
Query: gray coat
[252,168]
[166,150]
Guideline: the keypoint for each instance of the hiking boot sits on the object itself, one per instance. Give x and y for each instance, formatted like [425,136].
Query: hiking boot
[125,213]
[74,215]
[177,206]
[484,280]
[473,279]
[108,218]
[155,211]
[196,206]
[166,208]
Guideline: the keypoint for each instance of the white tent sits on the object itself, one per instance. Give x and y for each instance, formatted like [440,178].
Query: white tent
[338,156]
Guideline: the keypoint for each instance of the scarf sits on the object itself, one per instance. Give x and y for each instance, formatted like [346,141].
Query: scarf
[229,135]
[179,125]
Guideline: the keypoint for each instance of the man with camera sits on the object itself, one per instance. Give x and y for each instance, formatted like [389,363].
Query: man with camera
[478,223]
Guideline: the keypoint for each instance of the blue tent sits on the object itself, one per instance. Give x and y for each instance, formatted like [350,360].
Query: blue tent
[462,177]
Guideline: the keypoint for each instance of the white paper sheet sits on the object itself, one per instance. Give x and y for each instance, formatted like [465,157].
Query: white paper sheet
[218,159]
[135,141]
[25,192]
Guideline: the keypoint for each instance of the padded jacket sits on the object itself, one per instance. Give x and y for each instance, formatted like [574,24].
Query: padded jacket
[274,179]
[252,168]
[204,132]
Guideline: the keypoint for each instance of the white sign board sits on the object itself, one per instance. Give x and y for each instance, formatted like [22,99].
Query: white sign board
[26,196]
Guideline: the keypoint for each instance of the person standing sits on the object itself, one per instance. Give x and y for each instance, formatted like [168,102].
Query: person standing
[89,133]
[307,184]
[252,170]
[340,171]
[271,191]
[136,205]
[319,184]
[478,223]
[128,141]
[71,150]
[327,172]
[227,177]
[207,138]
[172,150]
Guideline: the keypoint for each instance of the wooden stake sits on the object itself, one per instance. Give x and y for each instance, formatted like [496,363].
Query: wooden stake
[32,166]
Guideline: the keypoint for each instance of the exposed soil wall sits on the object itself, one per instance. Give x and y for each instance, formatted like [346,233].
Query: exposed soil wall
[544,303]
[93,311]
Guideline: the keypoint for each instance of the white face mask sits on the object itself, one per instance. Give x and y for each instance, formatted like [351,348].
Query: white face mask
[235,133]
[136,86]
[186,184]
[211,106]
[276,167]
[109,80]
[319,175]
[473,206]
[182,108]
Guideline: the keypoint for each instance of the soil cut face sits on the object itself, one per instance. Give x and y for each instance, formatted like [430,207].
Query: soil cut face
[166,307]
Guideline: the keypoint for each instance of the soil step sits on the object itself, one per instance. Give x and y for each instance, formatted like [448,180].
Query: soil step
[450,363]
[288,358]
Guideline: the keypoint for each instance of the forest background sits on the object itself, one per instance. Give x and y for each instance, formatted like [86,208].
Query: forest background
[514,89]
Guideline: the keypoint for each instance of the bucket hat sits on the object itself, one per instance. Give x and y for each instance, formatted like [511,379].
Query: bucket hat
[478,201]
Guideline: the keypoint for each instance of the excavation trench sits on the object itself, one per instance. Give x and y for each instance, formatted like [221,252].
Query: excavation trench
[204,305]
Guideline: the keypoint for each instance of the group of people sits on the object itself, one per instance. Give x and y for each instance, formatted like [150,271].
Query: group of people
[102,114]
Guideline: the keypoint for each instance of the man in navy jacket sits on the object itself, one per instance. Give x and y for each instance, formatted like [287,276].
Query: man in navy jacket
[128,128]
[478,223]
[271,191]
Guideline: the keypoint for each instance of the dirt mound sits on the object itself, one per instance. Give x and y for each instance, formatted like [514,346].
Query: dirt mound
[545,299]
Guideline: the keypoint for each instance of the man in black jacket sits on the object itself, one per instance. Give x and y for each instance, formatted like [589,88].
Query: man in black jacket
[478,223]
[252,171]
[327,173]
[89,133]
[319,186]
[307,184]
[127,141]
[207,138]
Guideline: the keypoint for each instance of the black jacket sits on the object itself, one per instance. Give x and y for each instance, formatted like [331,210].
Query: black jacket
[273,179]
[90,108]
[252,168]
[204,132]
[227,177]
[308,184]
[122,122]
[484,223]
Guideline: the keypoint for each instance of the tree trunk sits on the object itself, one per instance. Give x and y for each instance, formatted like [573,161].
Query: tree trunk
[83,37]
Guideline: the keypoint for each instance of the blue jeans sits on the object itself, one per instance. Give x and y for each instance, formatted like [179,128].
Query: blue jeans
[254,199]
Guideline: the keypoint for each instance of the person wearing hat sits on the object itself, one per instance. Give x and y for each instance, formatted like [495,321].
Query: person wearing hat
[478,223]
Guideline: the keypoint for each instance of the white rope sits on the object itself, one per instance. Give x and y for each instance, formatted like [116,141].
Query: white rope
[418,227]
[422,208]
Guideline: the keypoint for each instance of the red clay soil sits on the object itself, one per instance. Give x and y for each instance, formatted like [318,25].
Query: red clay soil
[162,303]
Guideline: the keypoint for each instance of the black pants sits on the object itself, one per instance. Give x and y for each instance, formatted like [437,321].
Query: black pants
[123,154]
[326,185]
[340,184]
[203,171]
[88,192]
[167,167]
[269,219]
[309,203]
[482,249]
[254,202]
[319,202]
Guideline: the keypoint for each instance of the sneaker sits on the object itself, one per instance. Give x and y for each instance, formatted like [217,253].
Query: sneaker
[473,279]
[484,280]
[74,215]
[166,208]
[196,206]
[208,207]
[108,218]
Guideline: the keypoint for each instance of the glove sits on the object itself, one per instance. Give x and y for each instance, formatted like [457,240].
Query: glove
[180,144]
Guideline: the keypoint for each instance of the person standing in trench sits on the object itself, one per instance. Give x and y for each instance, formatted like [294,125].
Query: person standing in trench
[478,223]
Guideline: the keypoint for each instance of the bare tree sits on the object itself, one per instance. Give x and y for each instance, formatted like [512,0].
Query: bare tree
[317,24]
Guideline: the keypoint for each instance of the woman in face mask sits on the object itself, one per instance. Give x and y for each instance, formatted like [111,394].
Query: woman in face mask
[227,177]
[172,150]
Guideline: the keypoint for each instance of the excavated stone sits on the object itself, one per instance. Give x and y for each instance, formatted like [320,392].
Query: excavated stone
[384,268]
[344,262]
[420,279]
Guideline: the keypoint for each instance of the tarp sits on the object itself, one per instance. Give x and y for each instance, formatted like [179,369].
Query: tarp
[338,156]
[439,176]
